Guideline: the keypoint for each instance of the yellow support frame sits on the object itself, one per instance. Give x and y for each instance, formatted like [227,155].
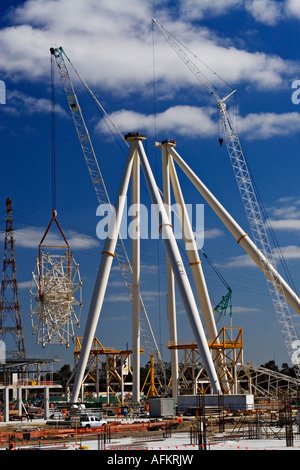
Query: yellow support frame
[227,348]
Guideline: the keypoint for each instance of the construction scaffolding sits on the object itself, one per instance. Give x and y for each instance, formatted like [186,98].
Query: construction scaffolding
[115,365]
[228,345]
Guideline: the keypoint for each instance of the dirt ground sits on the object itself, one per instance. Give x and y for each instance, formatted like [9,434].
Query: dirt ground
[23,427]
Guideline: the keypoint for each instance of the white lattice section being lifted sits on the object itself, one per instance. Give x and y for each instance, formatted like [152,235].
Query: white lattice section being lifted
[55,296]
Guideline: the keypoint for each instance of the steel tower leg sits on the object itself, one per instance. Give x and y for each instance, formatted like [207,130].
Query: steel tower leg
[102,279]
[195,264]
[194,259]
[135,247]
[171,302]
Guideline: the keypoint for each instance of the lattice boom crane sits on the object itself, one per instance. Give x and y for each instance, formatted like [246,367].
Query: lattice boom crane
[276,284]
[103,198]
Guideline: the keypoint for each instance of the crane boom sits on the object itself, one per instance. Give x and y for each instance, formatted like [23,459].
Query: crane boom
[251,205]
[103,198]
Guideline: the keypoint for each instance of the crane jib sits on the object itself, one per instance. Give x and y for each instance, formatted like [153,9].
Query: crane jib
[253,211]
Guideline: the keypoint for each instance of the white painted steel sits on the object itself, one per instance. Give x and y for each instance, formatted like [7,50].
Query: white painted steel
[102,279]
[171,300]
[196,268]
[135,248]
[194,259]
[175,260]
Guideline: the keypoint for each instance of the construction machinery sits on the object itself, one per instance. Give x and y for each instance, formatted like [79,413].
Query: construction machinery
[252,207]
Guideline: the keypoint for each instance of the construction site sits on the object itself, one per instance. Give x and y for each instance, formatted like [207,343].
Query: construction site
[211,397]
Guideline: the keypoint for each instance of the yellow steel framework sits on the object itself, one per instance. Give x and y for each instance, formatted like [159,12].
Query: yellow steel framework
[115,370]
[150,380]
[226,348]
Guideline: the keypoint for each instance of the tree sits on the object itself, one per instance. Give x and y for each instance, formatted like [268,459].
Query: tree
[62,375]
[271,365]
[285,368]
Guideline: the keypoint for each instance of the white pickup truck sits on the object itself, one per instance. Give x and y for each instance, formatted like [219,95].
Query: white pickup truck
[91,421]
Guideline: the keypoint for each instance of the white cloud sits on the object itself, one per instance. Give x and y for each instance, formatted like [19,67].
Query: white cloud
[24,285]
[286,224]
[285,214]
[290,252]
[213,233]
[267,125]
[80,241]
[186,120]
[147,296]
[193,9]
[23,52]
[241,261]
[240,309]
[111,45]
[265,11]
[193,121]
[244,261]
[30,105]
[286,208]
[269,12]
[293,7]
[30,237]
[117,298]
[149,268]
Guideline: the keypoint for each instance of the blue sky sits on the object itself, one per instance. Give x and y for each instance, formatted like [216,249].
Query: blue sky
[251,44]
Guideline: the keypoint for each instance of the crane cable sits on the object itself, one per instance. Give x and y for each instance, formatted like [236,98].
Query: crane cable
[168,36]
[95,99]
[277,248]
[156,169]
[53,157]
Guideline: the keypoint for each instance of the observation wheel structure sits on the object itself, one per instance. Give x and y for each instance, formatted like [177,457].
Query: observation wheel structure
[55,296]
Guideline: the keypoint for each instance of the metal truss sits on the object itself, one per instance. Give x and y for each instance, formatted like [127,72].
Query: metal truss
[55,299]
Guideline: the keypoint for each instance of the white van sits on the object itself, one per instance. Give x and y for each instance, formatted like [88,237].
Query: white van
[91,421]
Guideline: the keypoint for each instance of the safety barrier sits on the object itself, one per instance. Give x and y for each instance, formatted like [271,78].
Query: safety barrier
[26,445]
[115,427]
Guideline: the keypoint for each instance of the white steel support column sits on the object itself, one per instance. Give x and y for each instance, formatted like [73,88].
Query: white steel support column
[46,402]
[171,301]
[135,249]
[6,405]
[102,278]
[179,272]
[122,385]
[196,267]
[238,233]
[19,401]
[107,379]
[194,259]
